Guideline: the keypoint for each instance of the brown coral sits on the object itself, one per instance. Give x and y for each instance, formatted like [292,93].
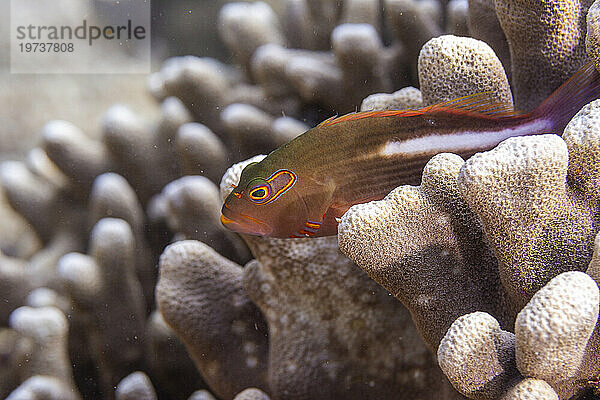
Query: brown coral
[350,351]
[552,337]
[484,25]
[108,274]
[452,67]
[200,295]
[431,272]
[547,44]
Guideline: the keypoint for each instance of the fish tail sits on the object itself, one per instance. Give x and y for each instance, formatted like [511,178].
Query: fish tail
[570,97]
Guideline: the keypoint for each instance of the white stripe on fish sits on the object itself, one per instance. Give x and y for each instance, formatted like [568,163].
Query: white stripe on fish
[460,141]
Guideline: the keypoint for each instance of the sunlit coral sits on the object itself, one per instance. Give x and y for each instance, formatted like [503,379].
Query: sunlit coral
[487,256]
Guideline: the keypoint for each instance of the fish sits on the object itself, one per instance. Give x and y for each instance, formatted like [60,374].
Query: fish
[304,187]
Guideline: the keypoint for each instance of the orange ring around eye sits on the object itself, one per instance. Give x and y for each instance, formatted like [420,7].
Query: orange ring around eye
[264,188]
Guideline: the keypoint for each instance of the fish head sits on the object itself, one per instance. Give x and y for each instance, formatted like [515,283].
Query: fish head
[265,204]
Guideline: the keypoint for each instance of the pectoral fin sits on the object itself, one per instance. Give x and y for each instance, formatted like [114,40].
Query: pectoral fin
[330,220]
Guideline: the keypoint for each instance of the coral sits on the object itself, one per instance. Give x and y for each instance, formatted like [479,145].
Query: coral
[547,44]
[17,239]
[39,201]
[406,98]
[538,224]
[43,387]
[55,190]
[518,193]
[246,26]
[447,70]
[104,287]
[477,356]
[594,267]
[201,395]
[136,386]
[301,321]
[349,352]
[112,196]
[287,76]
[169,364]
[15,284]
[593,33]
[553,330]
[457,17]
[251,394]
[201,150]
[77,156]
[13,352]
[132,149]
[362,11]
[192,209]
[484,25]
[251,130]
[412,23]
[552,335]
[530,389]
[200,295]
[45,329]
[432,272]
[44,297]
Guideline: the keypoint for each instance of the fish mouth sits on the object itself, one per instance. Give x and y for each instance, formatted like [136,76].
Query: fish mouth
[241,223]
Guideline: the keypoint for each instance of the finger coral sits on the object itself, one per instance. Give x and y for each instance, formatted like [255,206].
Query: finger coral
[478,357]
[351,352]
[547,44]
[226,336]
[431,272]
[552,334]
[554,329]
[483,24]
[446,70]
[486,256]
[136,386]
[108,275]
[46,331]
[495,222]
[251,394]
[192,209]
[43,387]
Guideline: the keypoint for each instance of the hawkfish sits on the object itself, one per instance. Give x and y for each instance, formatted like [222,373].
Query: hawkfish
[302,188]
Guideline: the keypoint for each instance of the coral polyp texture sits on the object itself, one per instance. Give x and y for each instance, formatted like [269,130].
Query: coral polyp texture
[482,282]
[547,45]
[548,355]
[489,234]
[350,352]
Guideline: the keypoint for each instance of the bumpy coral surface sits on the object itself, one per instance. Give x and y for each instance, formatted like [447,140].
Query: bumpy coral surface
[552,335]
[486,256]
[447,70]
[547,44]
[226,334]
[349,352]
[537,223]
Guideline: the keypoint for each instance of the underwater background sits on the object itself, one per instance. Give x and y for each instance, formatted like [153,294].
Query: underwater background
[118,281]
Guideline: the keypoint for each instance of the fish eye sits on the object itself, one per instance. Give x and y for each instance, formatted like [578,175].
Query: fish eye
[259,192]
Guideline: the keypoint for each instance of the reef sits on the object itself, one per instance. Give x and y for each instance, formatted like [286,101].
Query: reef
[490,234]
[481,282]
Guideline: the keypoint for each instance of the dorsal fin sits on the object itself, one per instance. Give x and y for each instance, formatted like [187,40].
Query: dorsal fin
[479,103]
[474,104]
[368,114]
